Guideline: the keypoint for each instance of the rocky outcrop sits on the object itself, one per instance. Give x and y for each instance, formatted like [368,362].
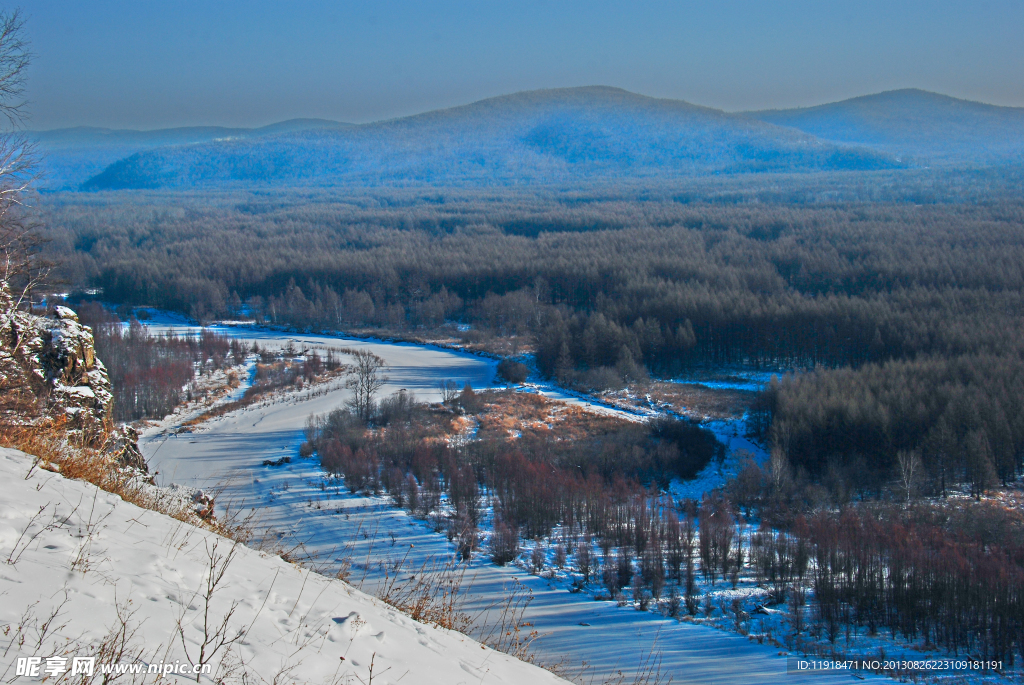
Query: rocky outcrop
[123,443]
[49,373]
[77,380]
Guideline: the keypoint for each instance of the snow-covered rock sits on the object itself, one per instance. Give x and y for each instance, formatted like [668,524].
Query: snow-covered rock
[65,351]
[49,372]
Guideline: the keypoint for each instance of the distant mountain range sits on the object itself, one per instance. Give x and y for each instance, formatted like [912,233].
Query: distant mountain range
[920,127]
[558,136]
[74,155]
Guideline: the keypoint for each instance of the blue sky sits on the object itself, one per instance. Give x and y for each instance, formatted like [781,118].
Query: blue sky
[151,64]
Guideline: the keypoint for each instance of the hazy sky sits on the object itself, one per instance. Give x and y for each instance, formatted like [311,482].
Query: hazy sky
[150,63]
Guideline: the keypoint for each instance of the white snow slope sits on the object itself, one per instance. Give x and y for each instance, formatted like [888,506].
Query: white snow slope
[75,553]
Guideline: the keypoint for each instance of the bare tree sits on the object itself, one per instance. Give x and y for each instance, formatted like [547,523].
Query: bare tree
[449,390]
[909,463]
[779,474]
[20,267]
[366,380]
[14,60]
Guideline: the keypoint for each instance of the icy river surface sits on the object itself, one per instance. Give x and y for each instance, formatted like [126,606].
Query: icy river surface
[321,521]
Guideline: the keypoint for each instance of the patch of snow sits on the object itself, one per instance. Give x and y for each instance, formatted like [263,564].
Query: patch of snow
[739,449]
[65,313]
[730,379]
[79,390]
[582,400]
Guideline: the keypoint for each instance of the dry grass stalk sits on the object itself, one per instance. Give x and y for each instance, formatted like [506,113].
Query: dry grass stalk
[431,595]
[510,633]
[61,451]
[216,632]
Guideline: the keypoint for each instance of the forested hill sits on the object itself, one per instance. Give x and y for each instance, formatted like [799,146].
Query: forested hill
[74,155]
[920,127]
[548,136]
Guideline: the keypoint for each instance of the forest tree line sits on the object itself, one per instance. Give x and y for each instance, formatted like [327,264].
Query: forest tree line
[910,313]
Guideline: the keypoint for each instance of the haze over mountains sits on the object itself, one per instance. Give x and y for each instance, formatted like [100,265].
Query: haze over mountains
[921,127]
[74,155]
[549,136]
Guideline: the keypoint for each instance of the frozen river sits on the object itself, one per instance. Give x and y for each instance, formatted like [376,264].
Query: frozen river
[225,448]
[327,524]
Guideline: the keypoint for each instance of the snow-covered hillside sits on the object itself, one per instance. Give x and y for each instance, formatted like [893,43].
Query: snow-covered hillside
[77,564]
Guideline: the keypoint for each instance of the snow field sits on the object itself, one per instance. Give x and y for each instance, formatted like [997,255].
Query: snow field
[73,558]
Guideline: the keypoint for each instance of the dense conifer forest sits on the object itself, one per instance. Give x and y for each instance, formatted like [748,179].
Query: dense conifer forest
[909,312]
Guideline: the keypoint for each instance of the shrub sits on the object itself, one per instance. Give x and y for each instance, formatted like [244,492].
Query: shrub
[512,371]
[469,400]
[504,544]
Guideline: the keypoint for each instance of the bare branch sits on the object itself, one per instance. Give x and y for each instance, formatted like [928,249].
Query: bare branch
[14,60]
[365,382]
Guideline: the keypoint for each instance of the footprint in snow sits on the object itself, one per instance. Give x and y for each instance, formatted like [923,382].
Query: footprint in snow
[472,670]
